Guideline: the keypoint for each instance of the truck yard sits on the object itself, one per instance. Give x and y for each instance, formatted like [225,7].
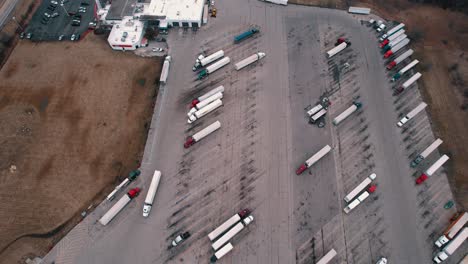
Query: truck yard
[307,122]
[251,161]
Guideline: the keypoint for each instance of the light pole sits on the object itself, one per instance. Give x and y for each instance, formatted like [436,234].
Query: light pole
[14,19]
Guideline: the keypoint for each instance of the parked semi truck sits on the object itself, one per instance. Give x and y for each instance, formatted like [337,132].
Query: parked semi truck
[232,232]
[391,38]
[131,177]
[392,31]
[399,59]
[404,70]
[228,224]
[328,257]
[203,61]
[397,47]
[452,230]
[202,134]
[278,2]
[219,89]
[363,196]
[118,206]
[221,252]
[247,34]
[151,193]
[411,114]
[204,103]
[312,160]
[394,42]
[351,195]
[426,153]
[249,60]
[338,48]
[165,70]
[346,113]
[204,111]
[452,246]
[432,169]
[407,83]
[213,67]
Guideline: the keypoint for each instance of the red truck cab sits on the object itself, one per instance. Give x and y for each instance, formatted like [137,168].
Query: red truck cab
[421,179]
[301,169]
[384,43]
[189,142]
[134,192]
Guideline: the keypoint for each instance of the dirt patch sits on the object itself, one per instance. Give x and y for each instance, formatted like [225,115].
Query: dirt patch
[71,126]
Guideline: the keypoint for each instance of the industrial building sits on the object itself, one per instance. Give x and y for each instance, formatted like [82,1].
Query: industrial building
[175,13]
[127,35]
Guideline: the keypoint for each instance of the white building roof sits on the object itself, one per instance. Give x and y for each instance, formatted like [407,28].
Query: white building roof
[176,10]
[129,32]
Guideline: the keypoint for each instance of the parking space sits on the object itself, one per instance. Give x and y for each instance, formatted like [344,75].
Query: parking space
[60,20]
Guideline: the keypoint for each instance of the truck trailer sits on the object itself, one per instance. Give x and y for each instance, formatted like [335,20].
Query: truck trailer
[399,59]
[405,69]
[411,114]
[232,232]
[228,224]
[204,111]
[202,134]
[346,113]
[392,31]
[351,195]
[118,206]
[221,252]
[312,160]
[452,230]
[278,2]
[328,257]
[249,60]
[356,202]
[407,83]
[203,61]
[391,38]
[213,67]
[151,193]
[131,177]
[247,34]
[426,153]
[338,48]
[394,42]
[204,103]
[432,169]
[165,70]
[452,246]
[219,89]
[397,47]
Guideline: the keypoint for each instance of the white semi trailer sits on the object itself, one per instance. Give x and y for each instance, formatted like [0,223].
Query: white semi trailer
[338,48]
[232,232]
[399,59]
[356,202]
[432,169]
[165,70]
[228,224]
[452,246]
[202,134]
[221,252]
[312,160]
[351,195]
[411,114]
[405,69]
[249,60]
[219,89]
[205,110]
[203,61]
[213,67]
[408,83]
[426,152]
[118,206]
[328,257]
[204,103]
[346,113]
[452,230]
[151,193]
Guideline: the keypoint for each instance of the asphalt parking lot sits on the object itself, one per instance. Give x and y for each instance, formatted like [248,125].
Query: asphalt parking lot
[61,24]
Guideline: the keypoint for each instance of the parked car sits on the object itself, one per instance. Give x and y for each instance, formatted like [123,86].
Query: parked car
[21,35]
[73,37]
[54,2]
[47,15]
[55,14]
[382,261]
[180,238]
[29,35]
[61,37]
[157,49]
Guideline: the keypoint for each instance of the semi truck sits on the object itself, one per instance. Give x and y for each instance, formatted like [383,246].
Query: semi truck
[202,134]
[151,193]
[312,160]
[426,153]
[392,31]
[397,47]
[232,232]
[407,83]
[228,224]
[205,102]
[328,257]
[249,60]
[203,61]
[452,230]
[411,114]
[432,169]
[221,252]
[165,70]
[351,195]
[315,117]
[391,38]
[204,111]
[452,246]
[346,113]
[363,196]
[399,59]
[219,89]
[118,206]
[131,177]
[405,69]
[394,42]
[338,48]
[278,2]
[213,67]
[247,34]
